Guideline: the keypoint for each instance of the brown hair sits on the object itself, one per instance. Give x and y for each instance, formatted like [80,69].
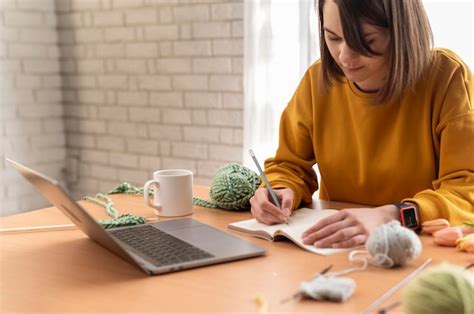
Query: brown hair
[409,48]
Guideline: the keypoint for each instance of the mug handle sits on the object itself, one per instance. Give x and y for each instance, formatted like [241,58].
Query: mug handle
[147,186]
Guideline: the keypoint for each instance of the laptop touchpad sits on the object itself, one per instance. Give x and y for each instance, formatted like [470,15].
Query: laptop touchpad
[213,241]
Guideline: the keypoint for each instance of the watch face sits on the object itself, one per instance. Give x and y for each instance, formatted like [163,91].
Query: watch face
[409,217]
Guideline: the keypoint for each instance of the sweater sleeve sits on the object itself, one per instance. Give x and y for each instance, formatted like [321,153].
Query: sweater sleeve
[452,196]
[292,165]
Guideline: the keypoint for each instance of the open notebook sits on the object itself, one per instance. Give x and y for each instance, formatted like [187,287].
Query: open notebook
[299,221]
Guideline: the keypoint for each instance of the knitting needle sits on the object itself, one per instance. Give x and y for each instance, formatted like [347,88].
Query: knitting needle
[264,178]
[322,272]
[298,294]
[392,290]
[38,229]
[47,228]
[389,307]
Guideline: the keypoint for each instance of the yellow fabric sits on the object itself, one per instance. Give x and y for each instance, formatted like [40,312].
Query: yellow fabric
[419,148]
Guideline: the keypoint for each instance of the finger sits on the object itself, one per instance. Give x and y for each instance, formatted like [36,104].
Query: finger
[262,215]
[270,219]
[286,199]
[259,194]
[325,222]
[342,235]
[255,209]
[271,200]
[264,218]
[257,214]
[326,231]
[274,212]
[264,203]
[356,240]
[262,197]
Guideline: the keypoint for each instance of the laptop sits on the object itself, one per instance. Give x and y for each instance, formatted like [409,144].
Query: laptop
[156,248]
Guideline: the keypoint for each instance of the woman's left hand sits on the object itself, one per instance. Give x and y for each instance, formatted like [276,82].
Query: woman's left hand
[349,227]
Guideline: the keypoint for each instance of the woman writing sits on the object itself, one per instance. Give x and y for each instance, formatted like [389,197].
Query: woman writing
[388,120]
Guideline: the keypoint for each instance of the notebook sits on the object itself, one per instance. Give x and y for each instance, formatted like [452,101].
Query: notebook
[298,222]
[157,248]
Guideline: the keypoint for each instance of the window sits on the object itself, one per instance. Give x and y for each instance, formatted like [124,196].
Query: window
[281,41]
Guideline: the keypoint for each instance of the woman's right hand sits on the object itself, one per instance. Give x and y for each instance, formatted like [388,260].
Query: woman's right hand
[266,212]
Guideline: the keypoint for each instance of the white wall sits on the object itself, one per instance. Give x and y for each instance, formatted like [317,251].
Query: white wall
[116,89]
[31,125]
[149,85]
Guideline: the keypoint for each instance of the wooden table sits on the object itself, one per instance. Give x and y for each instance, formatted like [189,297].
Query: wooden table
[61,271]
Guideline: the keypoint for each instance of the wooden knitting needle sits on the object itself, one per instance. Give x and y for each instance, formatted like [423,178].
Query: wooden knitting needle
[48,228]
[392,290]
[38,229]
[389,307]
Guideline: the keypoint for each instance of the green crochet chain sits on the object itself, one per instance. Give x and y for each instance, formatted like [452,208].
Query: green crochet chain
[118,220]
[231,189]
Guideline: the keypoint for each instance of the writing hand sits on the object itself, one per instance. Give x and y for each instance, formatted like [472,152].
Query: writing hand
[349,227]
[266,212]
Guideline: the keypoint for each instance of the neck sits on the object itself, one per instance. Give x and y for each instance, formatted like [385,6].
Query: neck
[366,89]
[372,84]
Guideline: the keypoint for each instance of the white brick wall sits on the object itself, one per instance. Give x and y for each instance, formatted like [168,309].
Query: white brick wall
[112,90]
[31,124]
[150,84]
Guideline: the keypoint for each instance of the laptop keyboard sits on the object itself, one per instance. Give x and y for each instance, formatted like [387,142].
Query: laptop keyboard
[159,247]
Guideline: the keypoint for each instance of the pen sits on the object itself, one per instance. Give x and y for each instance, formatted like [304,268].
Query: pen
[270,190]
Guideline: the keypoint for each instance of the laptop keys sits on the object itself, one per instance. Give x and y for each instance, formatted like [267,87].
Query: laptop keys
[159,247]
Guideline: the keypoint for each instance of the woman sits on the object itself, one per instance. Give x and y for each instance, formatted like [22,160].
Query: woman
[388,121]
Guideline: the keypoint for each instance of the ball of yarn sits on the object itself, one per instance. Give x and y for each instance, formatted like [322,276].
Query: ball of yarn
[393,245]
[233,186]
[440,290]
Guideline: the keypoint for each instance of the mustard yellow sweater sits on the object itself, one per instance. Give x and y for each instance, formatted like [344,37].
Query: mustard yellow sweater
[419,148]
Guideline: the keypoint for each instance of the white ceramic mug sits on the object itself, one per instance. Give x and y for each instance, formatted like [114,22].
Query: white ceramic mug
[173,192]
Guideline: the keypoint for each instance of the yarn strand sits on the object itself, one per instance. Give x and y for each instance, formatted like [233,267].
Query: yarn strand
[106,203]
[118,220]
[203,203]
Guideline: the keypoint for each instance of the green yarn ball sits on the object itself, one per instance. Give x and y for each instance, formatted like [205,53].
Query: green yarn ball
[442,290]
[232,187]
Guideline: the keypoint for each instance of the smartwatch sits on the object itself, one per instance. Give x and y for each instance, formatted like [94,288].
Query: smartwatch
[409,215]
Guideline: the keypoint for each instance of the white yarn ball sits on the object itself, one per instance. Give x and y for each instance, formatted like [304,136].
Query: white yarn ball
[393,245]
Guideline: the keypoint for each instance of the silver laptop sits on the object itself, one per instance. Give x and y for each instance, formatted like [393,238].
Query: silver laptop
[156,248]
